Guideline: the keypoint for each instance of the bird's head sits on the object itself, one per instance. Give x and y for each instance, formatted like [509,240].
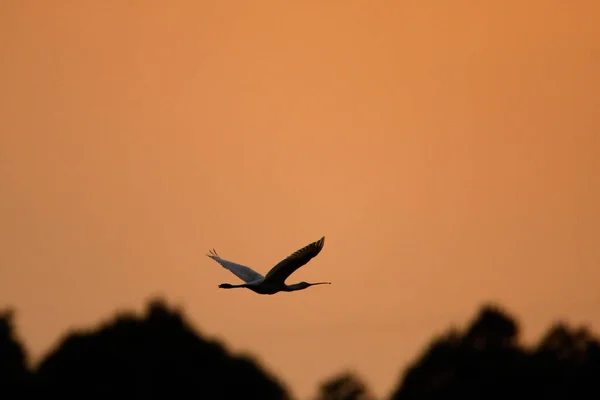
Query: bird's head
[304,285]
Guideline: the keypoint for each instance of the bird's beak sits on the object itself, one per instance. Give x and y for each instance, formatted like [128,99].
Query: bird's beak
[321,283]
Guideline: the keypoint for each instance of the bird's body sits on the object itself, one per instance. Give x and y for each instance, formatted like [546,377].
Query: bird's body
[274,281]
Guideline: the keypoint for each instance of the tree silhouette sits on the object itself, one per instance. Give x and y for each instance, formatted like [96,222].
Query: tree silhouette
[486,361]
[159,356]
[14,374]
[568,361]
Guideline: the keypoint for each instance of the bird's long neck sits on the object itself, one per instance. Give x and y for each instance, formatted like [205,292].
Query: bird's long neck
[294,287]
[303,285]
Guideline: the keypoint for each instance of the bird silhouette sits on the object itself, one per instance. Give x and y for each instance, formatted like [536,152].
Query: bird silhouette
[274,281]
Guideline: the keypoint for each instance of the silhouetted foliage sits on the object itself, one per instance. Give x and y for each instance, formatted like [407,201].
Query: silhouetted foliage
[13,363]
[159,356]
[346,386]
[486,361]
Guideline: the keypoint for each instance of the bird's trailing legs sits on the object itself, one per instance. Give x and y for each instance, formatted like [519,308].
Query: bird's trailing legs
[230,286]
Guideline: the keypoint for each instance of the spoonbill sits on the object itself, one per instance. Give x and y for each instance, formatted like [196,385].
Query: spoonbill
[274,281]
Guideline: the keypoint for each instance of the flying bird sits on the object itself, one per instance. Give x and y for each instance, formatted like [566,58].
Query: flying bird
[274,281]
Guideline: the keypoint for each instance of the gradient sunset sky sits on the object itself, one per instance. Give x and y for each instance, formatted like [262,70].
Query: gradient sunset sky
[447,150]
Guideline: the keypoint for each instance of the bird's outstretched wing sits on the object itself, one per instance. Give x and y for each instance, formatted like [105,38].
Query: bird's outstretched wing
[280,272]
[246,274]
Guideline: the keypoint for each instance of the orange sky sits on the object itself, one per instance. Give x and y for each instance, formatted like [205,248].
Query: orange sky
[445,149]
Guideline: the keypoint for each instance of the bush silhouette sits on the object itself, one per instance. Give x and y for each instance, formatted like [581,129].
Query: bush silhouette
[345,386]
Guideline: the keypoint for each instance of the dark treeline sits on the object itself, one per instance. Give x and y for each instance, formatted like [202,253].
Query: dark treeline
[160,355]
